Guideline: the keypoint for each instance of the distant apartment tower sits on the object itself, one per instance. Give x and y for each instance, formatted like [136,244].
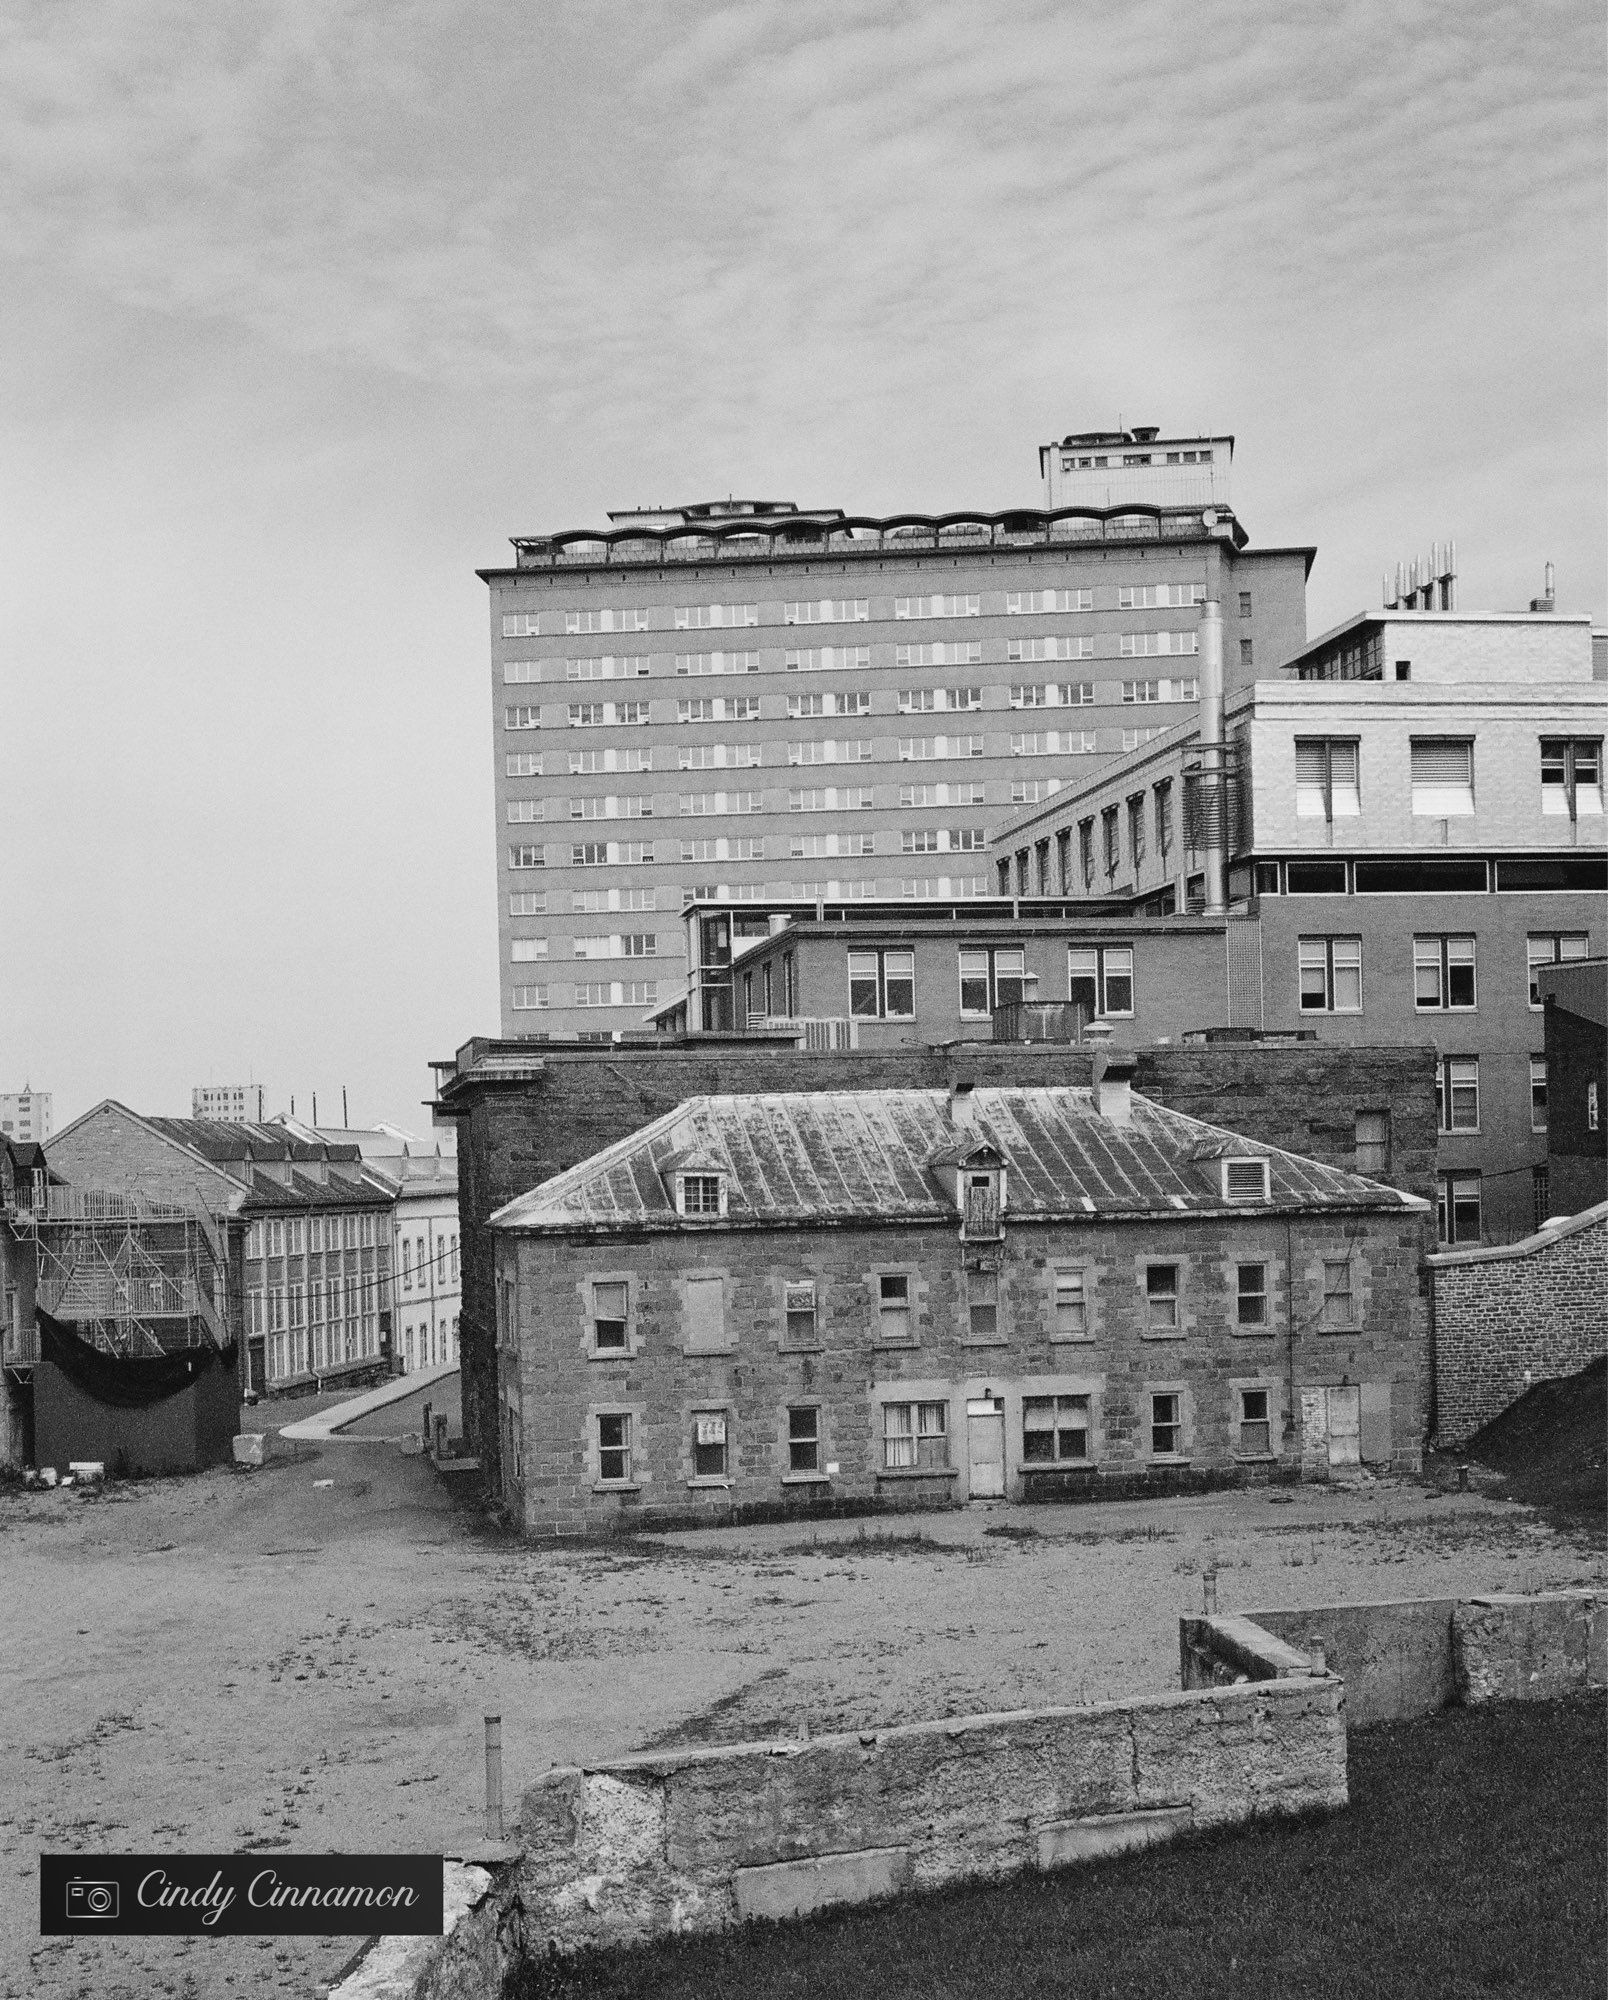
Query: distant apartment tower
[745,701]
[26,1115]
[223,1102]
[1124,467]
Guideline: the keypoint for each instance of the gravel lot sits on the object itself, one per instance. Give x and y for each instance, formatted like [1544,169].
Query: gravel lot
[254,1660]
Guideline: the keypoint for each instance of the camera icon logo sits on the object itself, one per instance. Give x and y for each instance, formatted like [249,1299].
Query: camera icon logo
[92,1902]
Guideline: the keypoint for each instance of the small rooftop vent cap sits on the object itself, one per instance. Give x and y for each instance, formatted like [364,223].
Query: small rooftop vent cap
[1245,1180]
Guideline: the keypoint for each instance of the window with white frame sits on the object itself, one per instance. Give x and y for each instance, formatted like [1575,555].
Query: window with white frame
[609,667]
[522,717]
[893,1307]
[882,985]
[610,1315]
[1161,1297]
[1443,973]
[915,1436]
[1255,1423]
[1250,1299]
[1371,1142]
[982,1302]
[1538,1093]
[938,607]
[614,1448]
[1020,602]
[1339,1301]
[827,611]
[1330,975]
[1166,1424]
[703,1194]
[693,664]
[799,1306]
[1071,1302]
[1442,776]
[699,617]
[1458,1208]
[804,1438]
[828,660]
[1551,948]
[990,978]
[1457,1093]
[1571,776]
[1326,778]
[1152,596]
[709,1444]
[1099,979]
[1055,1430]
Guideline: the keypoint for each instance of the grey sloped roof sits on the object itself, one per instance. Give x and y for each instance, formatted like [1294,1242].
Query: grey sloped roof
[838,1156]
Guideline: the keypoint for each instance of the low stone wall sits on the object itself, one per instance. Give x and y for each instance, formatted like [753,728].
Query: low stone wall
[1508,1648]
[1518,1314]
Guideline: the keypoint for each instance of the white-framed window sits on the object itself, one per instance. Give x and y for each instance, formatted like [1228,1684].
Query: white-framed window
[1255,1423]
[893,1307]
[938,607]
[799,1306]
[609,667]
[592,763]
[1166,1423]
[940,653]
[703,1194]
[1055,1430]
[1022,602]
[612,805]
[1571,776]
[991,977]
[1371,1142]
[699,617]
[1151,596]
[827,611]
[825,750]
[1538,1094]
[528,999]
[1071,1302]
[527,854]
[1099,978]
[914,1436]
[521,673]
[521,624]
[1250,1297]
[527,903]
[709,1443]
[1339,1298]
[694,664]
[882,985]
[614,618]
[1443,776]
[1326,778]
[1033,791]
[982,1297]
[1059,647]
[524,716]
[522,766]
[1330,975]
[830,798]
[828,660]
[1161,1297]
[1458,1208]
[1552,948]
[804,1437]
[1146,645]
[1443,973]
[1457,1093]
[614,1448]
[611,1299]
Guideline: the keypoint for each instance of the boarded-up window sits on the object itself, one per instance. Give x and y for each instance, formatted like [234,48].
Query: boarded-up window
[706,1316]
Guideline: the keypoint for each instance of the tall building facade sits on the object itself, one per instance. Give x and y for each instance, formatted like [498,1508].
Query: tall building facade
[223,1102]
[750,702]
[26,1115]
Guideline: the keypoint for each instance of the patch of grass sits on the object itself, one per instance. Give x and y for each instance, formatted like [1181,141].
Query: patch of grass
[1471,1861]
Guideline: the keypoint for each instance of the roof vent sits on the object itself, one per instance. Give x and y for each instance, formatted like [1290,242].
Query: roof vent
[1113,1084]
[1245,1180]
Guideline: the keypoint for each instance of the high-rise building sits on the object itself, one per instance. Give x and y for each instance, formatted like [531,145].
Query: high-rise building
[748,701]
[224,1102]
[1119,468]
[26,1115]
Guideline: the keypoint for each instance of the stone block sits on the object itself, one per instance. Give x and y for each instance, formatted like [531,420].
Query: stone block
[252,1448]
[1111,1833]
[794,1888]
[1509,1648]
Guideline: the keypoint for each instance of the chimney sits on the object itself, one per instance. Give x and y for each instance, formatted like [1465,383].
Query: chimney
[1113,1084]
[1214,778]
[1550,601]
[962,1108]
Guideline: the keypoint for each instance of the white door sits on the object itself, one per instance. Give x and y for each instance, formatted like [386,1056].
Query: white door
[985,1448]
[1345,1432]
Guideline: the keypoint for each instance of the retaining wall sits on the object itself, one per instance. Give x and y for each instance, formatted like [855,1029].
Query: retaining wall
[1538,1308]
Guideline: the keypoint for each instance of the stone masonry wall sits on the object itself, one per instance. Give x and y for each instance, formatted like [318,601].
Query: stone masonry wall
[514,1135]
[1540,1305]
[694,1840]
[851,1370]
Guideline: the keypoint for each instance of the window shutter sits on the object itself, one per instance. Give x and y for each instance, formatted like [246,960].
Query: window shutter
[1441,760]
[1310,766]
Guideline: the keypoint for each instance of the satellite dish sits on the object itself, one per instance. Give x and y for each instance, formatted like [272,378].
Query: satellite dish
[1208,518]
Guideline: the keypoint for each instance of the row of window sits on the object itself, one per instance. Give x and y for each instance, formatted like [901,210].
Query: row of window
[532,999]
[334,1302]
[707,1328]
[306,1350]
[295,1235]
[720,709]
[857,610]
[915,1436]
[1444,970]
[436,1264]
[857,659]
[1328,776]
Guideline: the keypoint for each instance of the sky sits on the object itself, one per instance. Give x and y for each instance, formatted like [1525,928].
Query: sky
[310,305]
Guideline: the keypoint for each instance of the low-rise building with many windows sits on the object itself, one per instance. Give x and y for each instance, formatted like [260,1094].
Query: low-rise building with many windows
[897,1298]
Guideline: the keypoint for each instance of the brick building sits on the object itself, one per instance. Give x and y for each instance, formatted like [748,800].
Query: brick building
[1575,998]
[526,1112]
[903,1298]
[747,701]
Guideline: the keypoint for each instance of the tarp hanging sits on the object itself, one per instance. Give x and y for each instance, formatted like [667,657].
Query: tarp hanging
[133,1384]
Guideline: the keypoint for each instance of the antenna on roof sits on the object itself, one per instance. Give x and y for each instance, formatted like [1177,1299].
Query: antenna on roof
[345,1121]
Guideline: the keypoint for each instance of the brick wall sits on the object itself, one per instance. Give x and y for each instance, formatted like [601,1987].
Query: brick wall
[514,1135]
[1536,1305]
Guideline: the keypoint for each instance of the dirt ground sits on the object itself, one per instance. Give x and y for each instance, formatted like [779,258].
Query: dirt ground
[259,1660]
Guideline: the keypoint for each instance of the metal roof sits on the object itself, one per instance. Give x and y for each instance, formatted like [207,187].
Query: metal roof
[872,1156]
[220,1141]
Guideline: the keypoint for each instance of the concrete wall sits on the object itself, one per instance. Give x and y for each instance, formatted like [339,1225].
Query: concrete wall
[515,1134]
[1537,1308]
[693,1840]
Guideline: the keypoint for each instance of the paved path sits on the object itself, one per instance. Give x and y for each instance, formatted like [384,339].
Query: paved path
[328,1423]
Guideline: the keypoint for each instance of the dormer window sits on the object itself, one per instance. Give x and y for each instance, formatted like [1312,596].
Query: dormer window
[1245,1180]
[703,1194]
[981,1199]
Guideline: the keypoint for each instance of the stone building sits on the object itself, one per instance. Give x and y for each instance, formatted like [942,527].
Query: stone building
[525,1113]
[904,1298]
